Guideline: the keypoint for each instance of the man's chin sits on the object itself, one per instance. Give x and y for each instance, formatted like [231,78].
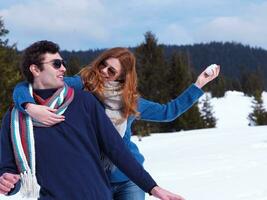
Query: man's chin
[61,84]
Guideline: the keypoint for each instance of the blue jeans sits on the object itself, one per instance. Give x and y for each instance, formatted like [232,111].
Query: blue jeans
[127,191]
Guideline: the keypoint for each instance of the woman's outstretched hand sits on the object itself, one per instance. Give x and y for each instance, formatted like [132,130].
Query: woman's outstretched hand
[210,73]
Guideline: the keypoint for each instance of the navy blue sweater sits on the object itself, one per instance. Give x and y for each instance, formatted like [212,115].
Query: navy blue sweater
[68,161]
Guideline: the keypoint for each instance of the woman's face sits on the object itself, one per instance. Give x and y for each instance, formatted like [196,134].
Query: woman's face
[111,69]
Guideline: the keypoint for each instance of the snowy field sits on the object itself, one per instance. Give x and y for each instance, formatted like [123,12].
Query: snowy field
[210,164]
[228,162]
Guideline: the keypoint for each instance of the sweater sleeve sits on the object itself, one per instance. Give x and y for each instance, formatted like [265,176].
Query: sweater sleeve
[152,111]
[113,146]
[21,94]
[7,159]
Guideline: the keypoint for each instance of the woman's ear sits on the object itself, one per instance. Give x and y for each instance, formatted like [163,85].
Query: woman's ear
[34,70]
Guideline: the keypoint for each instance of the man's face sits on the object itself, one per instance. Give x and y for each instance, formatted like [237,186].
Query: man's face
[51,76]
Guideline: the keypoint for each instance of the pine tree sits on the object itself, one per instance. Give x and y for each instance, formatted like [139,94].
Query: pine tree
[207,114]
[259,114]
[217,87]
[252,82]
[74,65]
[9,71]
[151,70]
[3,32]
[179,74]
[178,79]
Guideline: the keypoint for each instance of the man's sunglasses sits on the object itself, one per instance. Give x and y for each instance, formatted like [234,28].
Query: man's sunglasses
[111,70]
[56,63]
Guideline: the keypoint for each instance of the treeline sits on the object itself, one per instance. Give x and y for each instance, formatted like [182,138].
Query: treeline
[243,68]
[163,72]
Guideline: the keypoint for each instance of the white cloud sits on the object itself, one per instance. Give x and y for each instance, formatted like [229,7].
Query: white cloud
[83,24]
[250,27]
[80,19]
[174,34]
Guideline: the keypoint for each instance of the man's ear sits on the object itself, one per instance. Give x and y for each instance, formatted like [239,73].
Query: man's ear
[34,70]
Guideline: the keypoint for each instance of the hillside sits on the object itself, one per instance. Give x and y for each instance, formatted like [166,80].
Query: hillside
[234,58]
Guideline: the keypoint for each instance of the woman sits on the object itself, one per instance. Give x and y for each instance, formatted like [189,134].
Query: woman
[112,78]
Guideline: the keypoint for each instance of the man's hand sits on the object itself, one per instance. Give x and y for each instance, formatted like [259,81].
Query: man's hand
[44,114]
[7,182]
[162,194]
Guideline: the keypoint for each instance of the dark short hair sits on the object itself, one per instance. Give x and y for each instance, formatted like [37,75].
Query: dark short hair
[34,55]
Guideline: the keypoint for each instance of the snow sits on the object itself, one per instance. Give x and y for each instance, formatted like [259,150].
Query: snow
[232,110]
[223,163]
[209,164]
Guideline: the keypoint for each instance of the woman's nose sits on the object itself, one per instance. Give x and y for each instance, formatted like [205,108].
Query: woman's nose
[104,71]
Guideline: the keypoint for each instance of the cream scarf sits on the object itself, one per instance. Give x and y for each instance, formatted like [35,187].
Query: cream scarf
[113,105]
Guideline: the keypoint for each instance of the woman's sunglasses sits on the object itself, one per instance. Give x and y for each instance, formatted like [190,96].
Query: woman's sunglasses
[111,70]
[56,63]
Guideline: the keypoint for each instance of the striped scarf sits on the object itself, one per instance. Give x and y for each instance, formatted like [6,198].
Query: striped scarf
[22,138]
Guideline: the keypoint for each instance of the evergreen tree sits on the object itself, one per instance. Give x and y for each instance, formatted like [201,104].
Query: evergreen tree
[3,32]
[217,87]
[179,78]
[236,85]
[179,74]
[151,70]
[191,119]
[252,83]
[74,65]
[259,114]
[207,114]
[9,71]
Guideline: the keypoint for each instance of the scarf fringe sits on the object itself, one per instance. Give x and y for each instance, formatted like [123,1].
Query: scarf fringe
[29,186]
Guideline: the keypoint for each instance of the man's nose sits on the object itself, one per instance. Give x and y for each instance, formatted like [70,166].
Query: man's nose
[62,68]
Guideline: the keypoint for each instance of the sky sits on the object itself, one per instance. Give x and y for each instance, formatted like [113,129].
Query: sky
[223,163]
[92,24]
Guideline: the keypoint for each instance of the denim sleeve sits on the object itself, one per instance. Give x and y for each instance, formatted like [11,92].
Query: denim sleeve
[152,111]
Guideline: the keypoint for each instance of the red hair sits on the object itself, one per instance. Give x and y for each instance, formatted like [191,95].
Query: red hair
[94,82]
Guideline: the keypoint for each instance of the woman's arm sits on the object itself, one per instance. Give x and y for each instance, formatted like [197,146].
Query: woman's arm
[74,82]
[25,102]
[152,111]
[21,94]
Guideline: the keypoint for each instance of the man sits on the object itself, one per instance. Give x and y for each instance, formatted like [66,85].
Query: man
[64,159]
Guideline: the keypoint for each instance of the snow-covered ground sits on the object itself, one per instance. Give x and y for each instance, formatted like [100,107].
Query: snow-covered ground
[210,164]
[224,163]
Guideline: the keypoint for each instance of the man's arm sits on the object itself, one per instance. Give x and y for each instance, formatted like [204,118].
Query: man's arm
[113,146]
[9,178]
